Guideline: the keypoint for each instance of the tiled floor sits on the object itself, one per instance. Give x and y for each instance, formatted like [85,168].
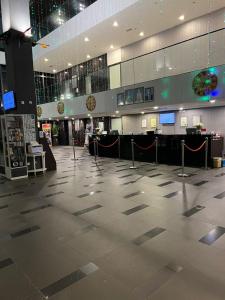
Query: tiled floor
[105,232]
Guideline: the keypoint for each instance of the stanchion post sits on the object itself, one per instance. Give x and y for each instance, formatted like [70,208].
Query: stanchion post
[119,154]
[74,150]
[206,152]
[132,151]
[182,150]
[95,149]
[156,150]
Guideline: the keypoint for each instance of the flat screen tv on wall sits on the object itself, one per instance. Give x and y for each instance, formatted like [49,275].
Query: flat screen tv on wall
[167,118]
[8,100]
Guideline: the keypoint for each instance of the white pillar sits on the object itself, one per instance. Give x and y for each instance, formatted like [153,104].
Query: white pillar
[15,15]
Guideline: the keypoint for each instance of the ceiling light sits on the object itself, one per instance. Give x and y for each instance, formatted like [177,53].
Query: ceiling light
[170,68]
[212,101]
[100,59]
[46,59]
[181,108]
[69,64]
[111,47]
[115,24]
[141,33]
[181,18]
[142,112]
[66,72]
[54,70]
[89,115]
[86,39]
[73,119]
[66,117]
[117,112]
[155,107]
[88,56]
[113,116]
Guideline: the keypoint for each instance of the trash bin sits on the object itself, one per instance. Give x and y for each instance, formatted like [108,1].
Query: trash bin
[217,162]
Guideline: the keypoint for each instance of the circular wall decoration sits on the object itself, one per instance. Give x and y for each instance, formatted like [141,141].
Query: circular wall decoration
[39,111]
[60,107]
[204,83]
[91,103]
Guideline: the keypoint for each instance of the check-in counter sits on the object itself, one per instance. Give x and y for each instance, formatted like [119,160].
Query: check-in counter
[169,148]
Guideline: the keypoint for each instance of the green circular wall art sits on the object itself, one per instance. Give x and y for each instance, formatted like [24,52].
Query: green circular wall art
[204,83]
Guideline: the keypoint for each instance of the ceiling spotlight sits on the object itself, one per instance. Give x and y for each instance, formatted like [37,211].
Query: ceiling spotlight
[181,18]
[155,107]
[111,47]
[141,33]
[115,24]
[65,72]
[117,112]
[212,101]
[181,108]
[66,117]
[142,112]
[170,68]
[88,56]
[54,70]
[46,59]
[69,64]
[86,39]
[88,115]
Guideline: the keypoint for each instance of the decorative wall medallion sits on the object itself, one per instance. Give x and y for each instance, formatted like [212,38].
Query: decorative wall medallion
[91,103]
[204,83]
[39,111]
[60,107]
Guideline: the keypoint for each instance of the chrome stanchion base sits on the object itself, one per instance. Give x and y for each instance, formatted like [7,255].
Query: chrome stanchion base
[133,167]
[183,175]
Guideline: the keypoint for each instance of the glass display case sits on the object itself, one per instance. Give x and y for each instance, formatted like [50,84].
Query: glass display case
[13,160]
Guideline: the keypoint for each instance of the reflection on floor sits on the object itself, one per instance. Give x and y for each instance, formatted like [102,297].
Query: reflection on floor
[106,232]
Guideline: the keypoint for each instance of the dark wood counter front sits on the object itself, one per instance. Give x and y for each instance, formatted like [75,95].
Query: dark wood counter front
[169,148]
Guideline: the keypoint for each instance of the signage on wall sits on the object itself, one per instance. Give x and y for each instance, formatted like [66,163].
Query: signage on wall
[91,103]
[60,107]
[205,83]
[39,111]
[135,96]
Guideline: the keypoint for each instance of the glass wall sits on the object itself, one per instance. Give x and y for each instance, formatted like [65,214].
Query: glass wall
[83,79]
[46,16]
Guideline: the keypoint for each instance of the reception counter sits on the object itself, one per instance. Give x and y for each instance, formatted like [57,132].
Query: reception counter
[169,148]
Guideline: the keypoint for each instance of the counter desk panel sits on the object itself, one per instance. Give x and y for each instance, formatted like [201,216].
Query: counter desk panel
[169,148]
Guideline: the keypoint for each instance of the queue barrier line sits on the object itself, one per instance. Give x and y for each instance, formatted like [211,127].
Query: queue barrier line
[108,146]
[145,148]
[195,150]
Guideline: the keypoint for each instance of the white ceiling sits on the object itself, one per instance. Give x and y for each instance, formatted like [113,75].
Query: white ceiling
[149,16]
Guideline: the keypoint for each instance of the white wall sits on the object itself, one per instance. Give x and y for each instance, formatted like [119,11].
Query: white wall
[212,118]
[196,54]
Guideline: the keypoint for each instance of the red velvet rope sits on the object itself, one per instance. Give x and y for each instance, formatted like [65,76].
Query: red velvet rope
[145,148]
[109,146]
[195,150]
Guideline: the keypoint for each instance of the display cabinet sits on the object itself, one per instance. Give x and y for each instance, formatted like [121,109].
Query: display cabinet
[13,160]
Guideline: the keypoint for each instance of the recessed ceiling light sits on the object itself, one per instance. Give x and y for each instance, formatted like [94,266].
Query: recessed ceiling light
[88,56]
[69,64]
[65,72]
[181,18]
[100,59]
[66,117]
[111,47]
[89,115]
[155,107]
[170,68]
[181,108]
[113,116]
[141,33]
[142,112]
[115,24]
[46,59]
[117,112]
[212,101]
[54,70]
[86,39]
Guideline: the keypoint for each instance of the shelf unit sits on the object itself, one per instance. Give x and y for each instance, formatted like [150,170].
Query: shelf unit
[36,163]
[13,160]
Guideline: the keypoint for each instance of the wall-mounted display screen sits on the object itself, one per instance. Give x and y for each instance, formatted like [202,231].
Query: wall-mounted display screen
[8,100]
[167,118]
